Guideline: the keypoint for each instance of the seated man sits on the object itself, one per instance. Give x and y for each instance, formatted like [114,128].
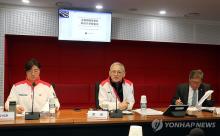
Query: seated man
[22,92]
[190,93]
[116,87]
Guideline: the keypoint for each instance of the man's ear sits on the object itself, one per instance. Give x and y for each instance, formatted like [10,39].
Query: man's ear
[109,73]
[124,74]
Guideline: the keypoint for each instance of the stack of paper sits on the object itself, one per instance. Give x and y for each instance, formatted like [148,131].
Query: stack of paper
[210,109]
[204,97]
[149,111]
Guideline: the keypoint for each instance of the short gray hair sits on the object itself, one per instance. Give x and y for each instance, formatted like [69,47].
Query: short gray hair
[196,74]
[117,63]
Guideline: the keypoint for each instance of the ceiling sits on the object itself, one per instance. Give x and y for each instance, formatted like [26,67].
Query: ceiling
[193,9]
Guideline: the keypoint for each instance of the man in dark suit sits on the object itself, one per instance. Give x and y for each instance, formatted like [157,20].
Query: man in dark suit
[190,93]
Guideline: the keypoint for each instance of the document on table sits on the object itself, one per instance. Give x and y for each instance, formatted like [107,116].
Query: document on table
[20,115]
[204,97]
[149,111]
[127,112]
[210,109]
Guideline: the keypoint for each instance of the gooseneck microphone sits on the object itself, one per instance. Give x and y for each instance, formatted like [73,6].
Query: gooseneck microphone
[117,89]
[32,115]
[117,113]
[33,85]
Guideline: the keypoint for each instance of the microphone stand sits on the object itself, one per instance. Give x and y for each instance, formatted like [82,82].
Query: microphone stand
[117,113]
[32,115]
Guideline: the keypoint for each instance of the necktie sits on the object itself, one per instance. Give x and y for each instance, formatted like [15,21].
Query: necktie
[194,98]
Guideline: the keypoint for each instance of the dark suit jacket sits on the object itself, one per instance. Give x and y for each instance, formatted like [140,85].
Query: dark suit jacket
[182,92]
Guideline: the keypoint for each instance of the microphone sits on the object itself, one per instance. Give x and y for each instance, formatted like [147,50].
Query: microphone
[32,115]
[117,113]
[33,85]
[53,85]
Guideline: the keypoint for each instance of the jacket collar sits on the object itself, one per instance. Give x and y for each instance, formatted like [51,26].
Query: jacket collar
[37,81]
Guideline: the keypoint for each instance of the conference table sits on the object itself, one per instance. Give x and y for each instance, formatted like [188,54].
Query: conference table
[75,122]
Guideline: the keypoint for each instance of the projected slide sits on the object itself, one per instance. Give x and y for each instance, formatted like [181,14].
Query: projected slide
[84,25]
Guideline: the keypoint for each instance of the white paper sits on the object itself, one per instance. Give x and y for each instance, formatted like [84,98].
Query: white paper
[192,109]
[208,108]
[149,112]
[20,114]
[204,97]
[127,112]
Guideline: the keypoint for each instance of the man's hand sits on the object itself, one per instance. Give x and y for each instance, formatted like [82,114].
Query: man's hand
[210,97]
[178,102]
[123,105]
[19,109]
[57,109]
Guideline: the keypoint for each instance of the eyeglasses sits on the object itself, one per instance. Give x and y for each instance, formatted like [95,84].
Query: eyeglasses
[117,72]
[195,81]
[33,71]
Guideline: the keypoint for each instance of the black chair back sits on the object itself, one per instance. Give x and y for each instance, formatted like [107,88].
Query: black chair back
[97,95]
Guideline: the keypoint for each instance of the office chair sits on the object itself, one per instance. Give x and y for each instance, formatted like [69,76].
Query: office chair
[97,95]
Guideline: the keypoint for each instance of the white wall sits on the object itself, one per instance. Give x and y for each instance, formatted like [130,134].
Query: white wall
[43,22]
[2,32]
